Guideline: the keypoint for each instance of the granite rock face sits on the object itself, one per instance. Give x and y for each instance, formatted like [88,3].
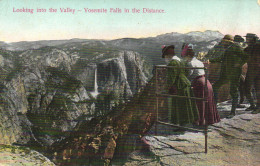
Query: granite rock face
[230,142]
[13,101]
[100,140]
[46,92]
[16,156]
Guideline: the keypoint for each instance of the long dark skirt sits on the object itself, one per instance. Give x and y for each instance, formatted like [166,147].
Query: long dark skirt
[210,114]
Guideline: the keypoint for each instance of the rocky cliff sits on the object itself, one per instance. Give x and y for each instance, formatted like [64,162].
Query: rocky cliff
[46,92]
[59,98]
[16,156]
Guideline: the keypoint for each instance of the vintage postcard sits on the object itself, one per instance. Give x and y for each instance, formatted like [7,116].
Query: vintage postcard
[110,82]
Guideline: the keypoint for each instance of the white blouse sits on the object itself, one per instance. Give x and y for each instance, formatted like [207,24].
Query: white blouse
[176,58]
[193,73]
[173,58]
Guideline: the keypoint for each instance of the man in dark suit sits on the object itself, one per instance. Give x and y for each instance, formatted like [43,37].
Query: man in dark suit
[252,75]
[231,68]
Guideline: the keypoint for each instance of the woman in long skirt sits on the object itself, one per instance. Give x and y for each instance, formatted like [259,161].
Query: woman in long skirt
[208,114]
[182,110]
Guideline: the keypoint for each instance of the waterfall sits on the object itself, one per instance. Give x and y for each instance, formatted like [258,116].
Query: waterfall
[95,92]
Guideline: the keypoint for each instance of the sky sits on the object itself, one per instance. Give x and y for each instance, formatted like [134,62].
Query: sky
[226,16]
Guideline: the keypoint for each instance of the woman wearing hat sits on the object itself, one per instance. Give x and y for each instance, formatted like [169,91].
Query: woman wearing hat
[183,110]
[207,115]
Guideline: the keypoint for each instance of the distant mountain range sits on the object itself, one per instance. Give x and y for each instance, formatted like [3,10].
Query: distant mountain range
[149,47]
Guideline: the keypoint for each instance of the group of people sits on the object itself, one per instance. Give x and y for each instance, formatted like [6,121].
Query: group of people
[186,80]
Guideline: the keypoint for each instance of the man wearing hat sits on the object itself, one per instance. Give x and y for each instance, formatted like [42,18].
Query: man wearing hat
[238,38]
[231,68]
[252,75]
[241,41]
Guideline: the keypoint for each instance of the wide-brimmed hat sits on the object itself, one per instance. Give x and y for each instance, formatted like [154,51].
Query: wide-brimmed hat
[251,35]
[238,38]
[187,49]
[167,50]
[228,37]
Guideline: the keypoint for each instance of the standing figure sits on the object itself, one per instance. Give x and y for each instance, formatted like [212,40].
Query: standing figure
[252,68]
[256,53]
[208,113]
[231,68]
[183,110]
[241,41]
